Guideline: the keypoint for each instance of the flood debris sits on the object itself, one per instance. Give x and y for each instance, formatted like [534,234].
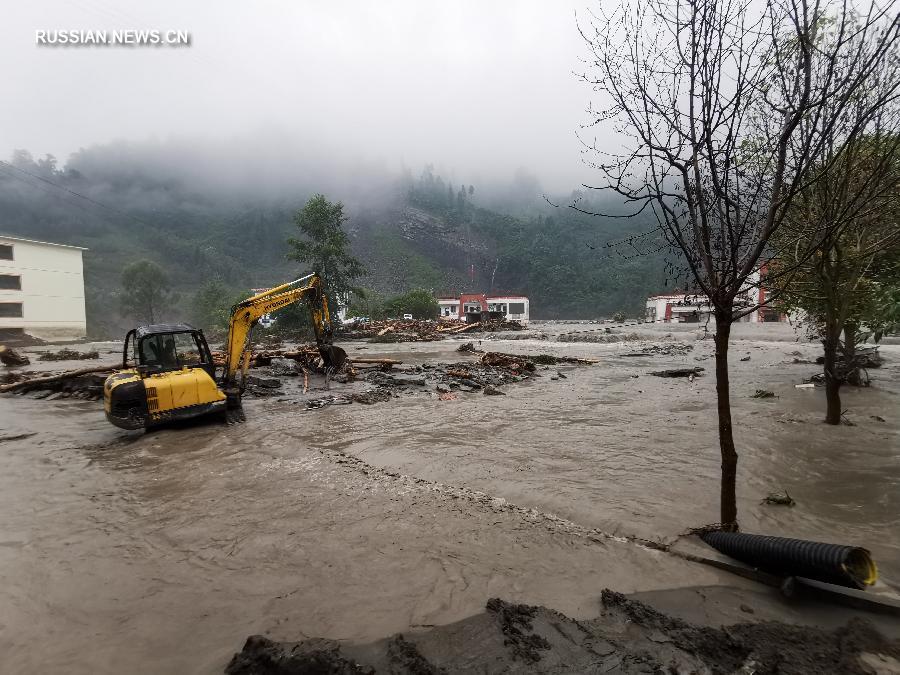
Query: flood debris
[12,358]
[81,383]
[68,355]
[537,359]
[690,373]
[330,399]
[627,637]
[17,437]
[605,337]
[662,349]
[376,395]
[779,499]
[413,330]
[763,393]
[866,357]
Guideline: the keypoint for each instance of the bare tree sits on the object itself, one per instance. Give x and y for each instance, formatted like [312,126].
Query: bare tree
[724,106]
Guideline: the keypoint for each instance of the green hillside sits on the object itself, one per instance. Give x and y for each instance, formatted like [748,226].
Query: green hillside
[412,233]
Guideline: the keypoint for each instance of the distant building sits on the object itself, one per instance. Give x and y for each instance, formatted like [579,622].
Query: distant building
[466,306]
[41,289]
[678,308]
[695,308]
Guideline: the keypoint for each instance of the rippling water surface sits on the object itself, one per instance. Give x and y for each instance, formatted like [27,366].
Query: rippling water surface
[162,552]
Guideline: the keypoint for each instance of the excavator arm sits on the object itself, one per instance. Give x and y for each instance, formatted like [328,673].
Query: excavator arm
[245,314]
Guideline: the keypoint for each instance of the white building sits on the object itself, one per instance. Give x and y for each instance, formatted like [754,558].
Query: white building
[41,289]
[513,307]
[682,308]
[448,308]
[678,308]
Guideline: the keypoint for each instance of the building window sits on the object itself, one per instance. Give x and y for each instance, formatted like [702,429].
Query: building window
[10,309]
[10,282]
[6,252]
[517,308]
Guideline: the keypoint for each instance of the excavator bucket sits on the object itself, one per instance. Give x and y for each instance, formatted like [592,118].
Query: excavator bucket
[332,357]
[234,411]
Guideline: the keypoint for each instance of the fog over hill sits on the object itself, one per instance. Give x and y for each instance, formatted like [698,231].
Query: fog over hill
[223,211]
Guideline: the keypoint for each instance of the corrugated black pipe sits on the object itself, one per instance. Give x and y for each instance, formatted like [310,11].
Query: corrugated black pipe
[850,566]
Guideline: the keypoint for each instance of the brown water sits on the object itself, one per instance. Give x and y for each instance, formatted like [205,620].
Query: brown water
[161,552]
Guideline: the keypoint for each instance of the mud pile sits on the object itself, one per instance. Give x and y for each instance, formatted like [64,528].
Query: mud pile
[628,637]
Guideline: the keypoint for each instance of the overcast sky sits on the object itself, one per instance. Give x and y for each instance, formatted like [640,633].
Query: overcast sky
[479,87]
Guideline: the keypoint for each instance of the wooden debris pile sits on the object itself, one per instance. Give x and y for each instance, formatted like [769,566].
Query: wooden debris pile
[82,383]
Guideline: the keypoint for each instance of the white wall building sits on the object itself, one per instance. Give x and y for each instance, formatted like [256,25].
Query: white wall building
[513,307]
[448,308]
[678,308]
[682,308]
[41,289]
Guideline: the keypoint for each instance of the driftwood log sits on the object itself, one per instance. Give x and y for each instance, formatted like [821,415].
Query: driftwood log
[678,372]
[33,382]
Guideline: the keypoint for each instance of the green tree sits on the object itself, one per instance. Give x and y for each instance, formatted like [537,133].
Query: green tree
[367,302]
[146,294]
[418,302]
[851,218]
[211,304]
[326,248]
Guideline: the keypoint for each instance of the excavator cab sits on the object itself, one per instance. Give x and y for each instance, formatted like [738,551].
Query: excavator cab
[168,371]
[166,347]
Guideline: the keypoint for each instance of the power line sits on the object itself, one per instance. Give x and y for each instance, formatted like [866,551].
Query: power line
[78,194]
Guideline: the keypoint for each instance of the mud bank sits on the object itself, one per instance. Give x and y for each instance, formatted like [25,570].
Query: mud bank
[628,637]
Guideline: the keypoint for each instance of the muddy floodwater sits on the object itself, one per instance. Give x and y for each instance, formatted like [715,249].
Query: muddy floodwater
[160,552]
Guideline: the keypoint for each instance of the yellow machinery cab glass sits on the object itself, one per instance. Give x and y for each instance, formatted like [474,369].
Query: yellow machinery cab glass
[161,348]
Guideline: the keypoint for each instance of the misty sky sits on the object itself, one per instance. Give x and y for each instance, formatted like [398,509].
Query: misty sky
[477,87]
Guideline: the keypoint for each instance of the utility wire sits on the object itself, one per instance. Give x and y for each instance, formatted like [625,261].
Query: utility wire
[78,194]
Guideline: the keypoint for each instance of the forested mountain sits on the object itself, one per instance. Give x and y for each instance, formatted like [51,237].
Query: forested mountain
[206,215]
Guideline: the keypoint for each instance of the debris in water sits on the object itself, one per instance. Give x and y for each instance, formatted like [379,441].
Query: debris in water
[377,395]
[10,357]
[316,403]
[679,372]
[779,499]
[763,393]
[68,355]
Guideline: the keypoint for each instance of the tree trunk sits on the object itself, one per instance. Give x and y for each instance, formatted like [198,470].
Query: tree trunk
[832,377]
[851,369]
[728,499]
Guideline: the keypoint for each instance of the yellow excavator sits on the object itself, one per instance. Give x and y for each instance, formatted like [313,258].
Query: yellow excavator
[168,371]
